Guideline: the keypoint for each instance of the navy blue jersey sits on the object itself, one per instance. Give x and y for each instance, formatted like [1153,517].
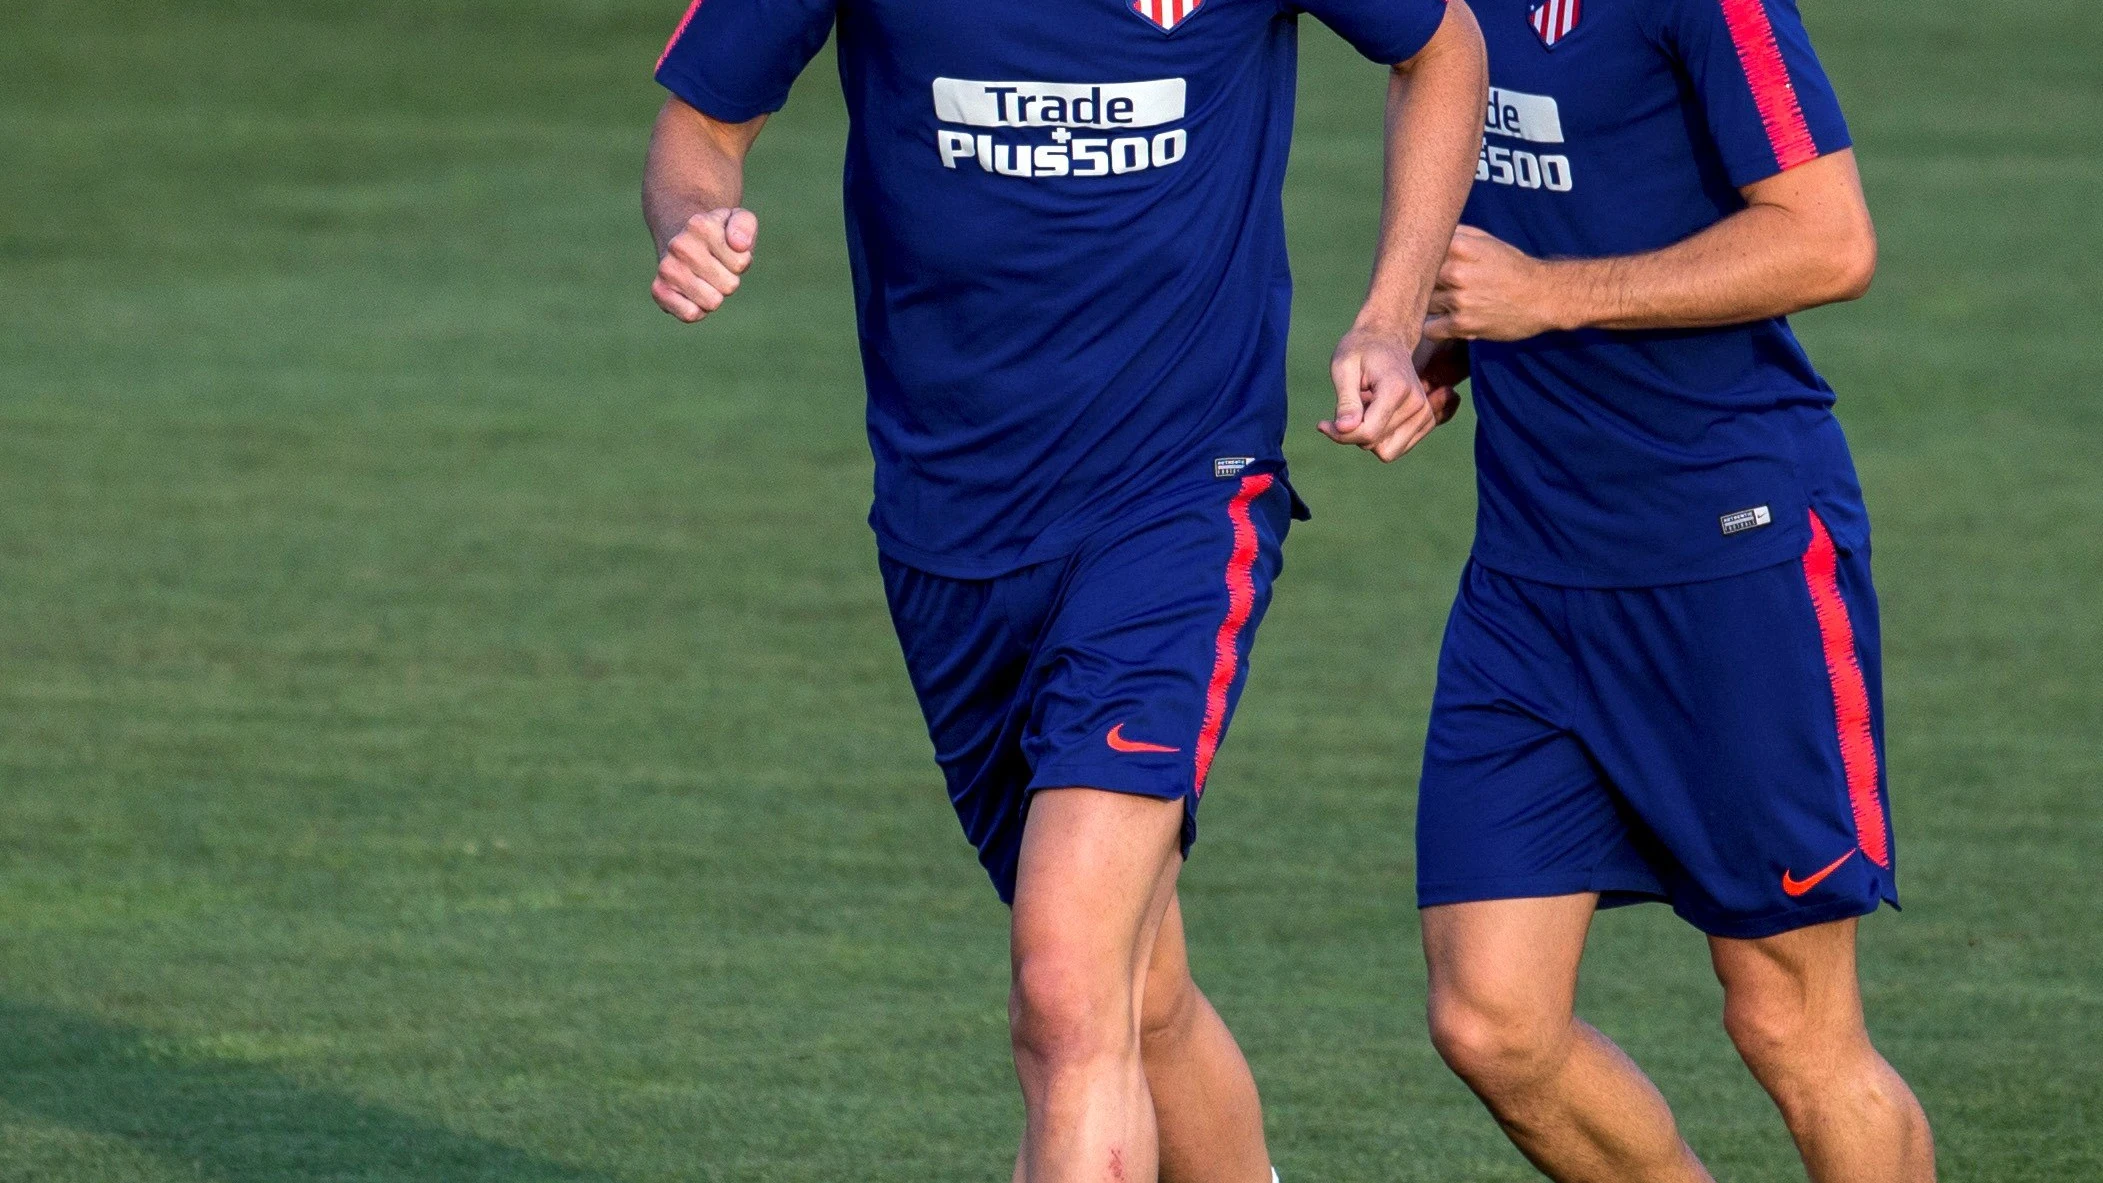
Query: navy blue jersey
[1622,459]
[1065,229]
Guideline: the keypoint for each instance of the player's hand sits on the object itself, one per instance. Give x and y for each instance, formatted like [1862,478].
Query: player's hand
[1380,401]
[1443,366]
[703,263]
[1490,290]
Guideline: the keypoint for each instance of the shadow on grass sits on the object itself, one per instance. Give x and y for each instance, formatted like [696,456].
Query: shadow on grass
[236,1123]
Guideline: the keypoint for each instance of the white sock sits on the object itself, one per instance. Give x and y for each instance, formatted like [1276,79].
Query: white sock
[1274,1175]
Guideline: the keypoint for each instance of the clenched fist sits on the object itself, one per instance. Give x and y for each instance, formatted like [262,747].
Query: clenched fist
[703,263]
[1490,290]
[1381,403]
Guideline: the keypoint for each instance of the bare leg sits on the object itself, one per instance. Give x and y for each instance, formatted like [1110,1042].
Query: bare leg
[1205,1106]
[1503,997]
[1096,874]
[1208,1119]
[1794,1008]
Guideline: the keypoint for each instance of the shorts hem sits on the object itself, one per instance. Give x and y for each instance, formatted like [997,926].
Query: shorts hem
[1530,887]
[1127,784]
[1132,781]
[1613,895]
[1770,924]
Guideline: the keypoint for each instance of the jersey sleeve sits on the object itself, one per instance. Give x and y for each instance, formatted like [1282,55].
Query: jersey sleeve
[734,60]
[1387,31]
[1765,99]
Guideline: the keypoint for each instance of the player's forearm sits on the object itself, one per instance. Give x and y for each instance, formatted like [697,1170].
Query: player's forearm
[1434,132]
[1761,262]
[696,165]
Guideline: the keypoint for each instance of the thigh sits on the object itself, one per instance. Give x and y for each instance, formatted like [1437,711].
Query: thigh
[1796,985]
[1739,720]
[1510,962]
[1510,804]
[1146,652]
[1095,879]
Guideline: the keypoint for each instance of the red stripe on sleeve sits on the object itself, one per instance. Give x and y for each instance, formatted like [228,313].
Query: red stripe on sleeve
[1858,748]
[1241,603]
[679,32]
[1773,94]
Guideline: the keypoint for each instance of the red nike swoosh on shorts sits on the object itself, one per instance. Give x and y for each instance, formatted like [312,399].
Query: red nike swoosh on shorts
[1795,886]
[1118,743]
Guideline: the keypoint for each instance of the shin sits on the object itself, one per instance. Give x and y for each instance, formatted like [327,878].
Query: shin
[1205,1105]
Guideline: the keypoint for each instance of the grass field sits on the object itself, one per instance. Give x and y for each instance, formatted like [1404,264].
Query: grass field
[449,728]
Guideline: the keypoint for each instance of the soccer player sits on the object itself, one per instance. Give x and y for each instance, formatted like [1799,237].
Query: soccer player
[1661,676]
[1067,242]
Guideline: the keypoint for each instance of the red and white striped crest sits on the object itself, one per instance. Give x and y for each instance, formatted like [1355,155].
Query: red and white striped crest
[1553,20]
[1166,14]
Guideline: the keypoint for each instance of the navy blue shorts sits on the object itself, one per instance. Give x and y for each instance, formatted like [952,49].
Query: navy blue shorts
[1719,745]
[1114,668]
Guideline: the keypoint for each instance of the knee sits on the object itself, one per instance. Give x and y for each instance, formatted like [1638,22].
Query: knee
[1812,1062]
[1064,1012]
[1792,1048]
[1768,1032]
[1497,1049]
[1168,1011]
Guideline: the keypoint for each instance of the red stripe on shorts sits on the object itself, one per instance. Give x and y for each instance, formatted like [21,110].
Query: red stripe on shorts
[1241,603]
[1858,749]
[1773,94]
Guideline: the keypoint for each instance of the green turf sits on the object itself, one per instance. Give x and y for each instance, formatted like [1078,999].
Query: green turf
[449,725]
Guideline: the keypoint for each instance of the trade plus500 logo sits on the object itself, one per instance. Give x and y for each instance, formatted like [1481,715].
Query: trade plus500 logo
[1536,119]
[1089,129]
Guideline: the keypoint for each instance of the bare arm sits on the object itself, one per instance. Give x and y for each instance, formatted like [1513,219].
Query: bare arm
[1803,239]
[1434,130]
[692,183]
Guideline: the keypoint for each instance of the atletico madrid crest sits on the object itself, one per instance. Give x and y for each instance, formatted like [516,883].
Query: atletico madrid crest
[1553,20]
[1165,15]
